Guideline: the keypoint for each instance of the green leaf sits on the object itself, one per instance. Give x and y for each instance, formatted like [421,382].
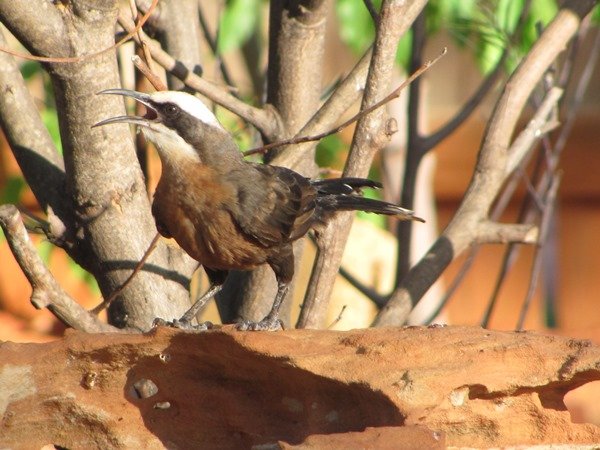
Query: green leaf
[356,25]
[13,188]
[329,150]
[45,250]
[507,15]
[83,275]
[50,119]
[404,50]
[452,15]
[437,15]
[30,68]
[238,22]
[493,32]
[376,219]
[596,15]
[542,12]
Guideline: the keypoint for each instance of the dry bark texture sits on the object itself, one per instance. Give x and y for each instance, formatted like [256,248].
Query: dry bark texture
[314,389]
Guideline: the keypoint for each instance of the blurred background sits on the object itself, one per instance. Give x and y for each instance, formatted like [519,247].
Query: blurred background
[566,297]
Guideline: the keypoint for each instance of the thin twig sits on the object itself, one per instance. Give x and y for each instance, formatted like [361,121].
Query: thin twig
[538,258]
[368,292]
[212,43]
[578,96]
[455,284]
[338,318]
[264,120]
[489,175]
[148,73]
[74,59]
[145,50]
[372,10]
[47,293]
[106,303]
[394,94]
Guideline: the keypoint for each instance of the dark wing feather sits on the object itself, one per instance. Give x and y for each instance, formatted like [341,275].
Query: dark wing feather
[343,185]
[275,205]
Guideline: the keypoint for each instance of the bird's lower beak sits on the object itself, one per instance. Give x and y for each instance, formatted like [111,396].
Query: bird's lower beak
[144,99]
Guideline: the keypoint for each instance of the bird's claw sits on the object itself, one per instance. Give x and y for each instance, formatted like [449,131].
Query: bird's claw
[182,325]
[267,324]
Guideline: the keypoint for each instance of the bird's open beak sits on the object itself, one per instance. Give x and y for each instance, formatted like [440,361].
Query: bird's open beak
[150,116]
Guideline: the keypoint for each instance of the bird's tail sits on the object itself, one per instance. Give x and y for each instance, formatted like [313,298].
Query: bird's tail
[343,185]
[343,194]
[357,203]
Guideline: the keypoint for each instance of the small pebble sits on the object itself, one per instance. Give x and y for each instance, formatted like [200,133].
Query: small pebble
[145,388]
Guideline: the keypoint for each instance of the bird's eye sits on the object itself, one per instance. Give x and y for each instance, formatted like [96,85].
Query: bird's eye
[171,109]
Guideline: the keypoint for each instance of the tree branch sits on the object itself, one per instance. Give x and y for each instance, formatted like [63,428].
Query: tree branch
[418,146]
[104,183]
[342,98]
[264,120]
[489,232]
[47,293]
[317,137]
[490,171]
[32,146]
[537,127]
[212,43]
[179,33]
[37,24]
[429,142]
[395,19]
[536,266]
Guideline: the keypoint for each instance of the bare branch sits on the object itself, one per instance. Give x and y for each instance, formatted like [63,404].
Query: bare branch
[469,106]
[338,318]
[537,127]
[264,120]
[212,43]
[31,143]
[143,45]
[37,24]
[342,98]
[395,19]
[106,302]
[490,172]
[317,137]
[47,293]
[178,30]
[365,290]
[580,90]
[154,79]
[71,59]
[372,11]
[503,233]
[548,214]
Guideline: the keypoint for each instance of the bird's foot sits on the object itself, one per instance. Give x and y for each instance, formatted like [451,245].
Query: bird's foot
[267,324]
[182,325]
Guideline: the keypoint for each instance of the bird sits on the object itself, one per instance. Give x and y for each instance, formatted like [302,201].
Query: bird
[229,213]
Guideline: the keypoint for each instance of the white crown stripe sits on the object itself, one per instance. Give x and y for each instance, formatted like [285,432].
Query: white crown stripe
[190,104]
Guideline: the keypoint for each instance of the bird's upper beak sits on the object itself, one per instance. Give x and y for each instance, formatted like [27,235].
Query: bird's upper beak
[150,116]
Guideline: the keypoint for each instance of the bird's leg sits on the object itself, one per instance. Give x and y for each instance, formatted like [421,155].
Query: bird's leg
[185,321]
[271,322]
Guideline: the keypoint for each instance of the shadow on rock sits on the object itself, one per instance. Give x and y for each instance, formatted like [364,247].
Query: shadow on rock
[209,391]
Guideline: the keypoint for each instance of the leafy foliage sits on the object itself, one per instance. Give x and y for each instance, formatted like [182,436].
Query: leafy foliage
[239,20]
[357,29]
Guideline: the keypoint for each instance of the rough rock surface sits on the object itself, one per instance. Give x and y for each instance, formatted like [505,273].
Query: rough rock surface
[298,388]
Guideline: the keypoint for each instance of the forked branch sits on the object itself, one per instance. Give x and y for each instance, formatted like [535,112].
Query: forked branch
[470,224]
[47,293]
